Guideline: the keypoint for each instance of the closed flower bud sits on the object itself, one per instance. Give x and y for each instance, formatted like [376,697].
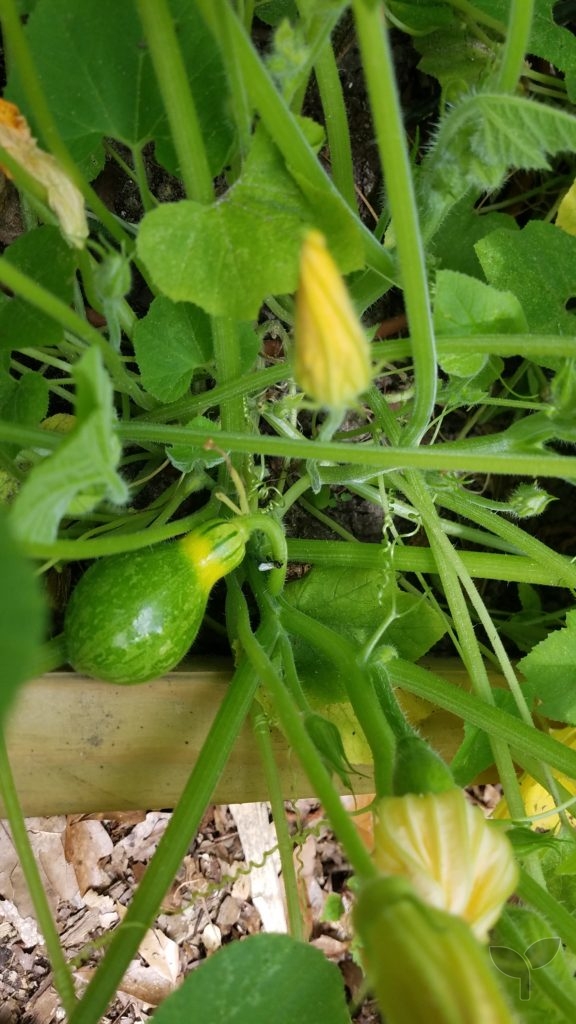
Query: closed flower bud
[62,196]
[424,964]
[454,858]
[332,355]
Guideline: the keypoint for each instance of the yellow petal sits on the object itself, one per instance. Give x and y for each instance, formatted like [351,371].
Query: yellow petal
[332,355]
[566,216]
[63,198]
[536,799]
[455,859]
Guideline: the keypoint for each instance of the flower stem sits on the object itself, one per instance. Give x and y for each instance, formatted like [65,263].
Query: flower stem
[390,136]
[179,105]
[516,45]
[62,976]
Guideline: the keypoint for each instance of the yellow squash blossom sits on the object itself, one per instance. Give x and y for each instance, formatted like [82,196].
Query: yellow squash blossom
[537,800]
[425,966]
[454,858]
[62,196]
[332,355]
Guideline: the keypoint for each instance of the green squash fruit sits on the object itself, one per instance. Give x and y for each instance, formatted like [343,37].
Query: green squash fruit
[133,617]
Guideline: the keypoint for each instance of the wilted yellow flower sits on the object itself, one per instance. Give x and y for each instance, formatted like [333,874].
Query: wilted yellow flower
[455,859]
[332,355]
[425,965]
[536,799]
[63,198]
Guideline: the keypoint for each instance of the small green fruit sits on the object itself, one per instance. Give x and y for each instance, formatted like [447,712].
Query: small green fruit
[133,617]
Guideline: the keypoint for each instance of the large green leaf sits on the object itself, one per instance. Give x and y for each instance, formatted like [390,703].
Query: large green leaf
[227,257]
[43,255]
[355,602]
[549,672]
[465,306]
[170,342]
[537,265]
[479,140]
[265,978]
[22,616]
[98,79]
[82,470]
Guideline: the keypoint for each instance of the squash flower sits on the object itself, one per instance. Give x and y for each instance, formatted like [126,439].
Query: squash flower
[332,355]
[62,196]
[453,857]
[424,964]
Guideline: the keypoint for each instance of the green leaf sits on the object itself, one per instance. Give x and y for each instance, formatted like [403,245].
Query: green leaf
[22,617]
[83,469]
[536,264]
[422,16]
[463,226]
[43,255]
[355,602]
[528,953]
[273,11]
[186,457]
[456,58]
[25,400]
[94,51]
[171,342]
[548,40]
[265,978]
[479,140]
[227,257]
[326,737]
[549,672]
[474,755]
[466,306]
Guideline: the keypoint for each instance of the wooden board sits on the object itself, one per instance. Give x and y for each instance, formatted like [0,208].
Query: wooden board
[77,745]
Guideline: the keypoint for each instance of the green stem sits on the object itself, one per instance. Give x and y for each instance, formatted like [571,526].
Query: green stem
[290,140]
[179,105]
[174,843]
[330,88]
[478,15]
[561,920]
[450,571]
[359,689]
[194,405]
[275,534]
[440,456]
[22,285]
[62,977]
[378,68]
[516,45]
[359,555]
[293,727]
[285,844]
[526,741]
[148,200]
[550,561]
[98,547]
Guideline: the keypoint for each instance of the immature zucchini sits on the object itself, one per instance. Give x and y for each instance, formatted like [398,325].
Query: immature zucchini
[133,616]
